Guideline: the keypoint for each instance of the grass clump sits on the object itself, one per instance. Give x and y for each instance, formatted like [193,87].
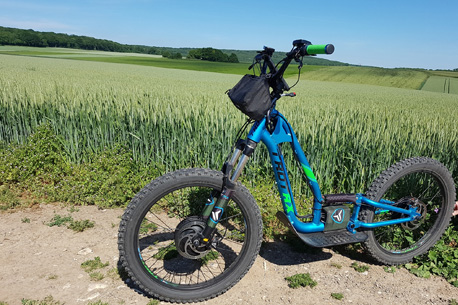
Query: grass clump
[389,269]
[59,220]
[359,268]
[98,303]
[8,200]
[147,227]
[166,253]
[81,225]
[337,295]
[96,276]
[49,300]
[210,256]
[336,265]
[93,264]
[300,280]
[75,225]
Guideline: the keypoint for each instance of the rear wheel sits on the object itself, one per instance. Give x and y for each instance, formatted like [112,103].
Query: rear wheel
[160,224]
[422,183]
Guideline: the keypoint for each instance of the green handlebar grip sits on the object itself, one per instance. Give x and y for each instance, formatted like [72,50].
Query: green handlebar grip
[320,49]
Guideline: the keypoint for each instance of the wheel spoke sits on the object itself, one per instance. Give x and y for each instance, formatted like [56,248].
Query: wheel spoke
[419,183]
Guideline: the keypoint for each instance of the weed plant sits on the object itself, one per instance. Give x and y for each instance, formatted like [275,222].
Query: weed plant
[359,268]
[93,264]
[337,295]
[300,280]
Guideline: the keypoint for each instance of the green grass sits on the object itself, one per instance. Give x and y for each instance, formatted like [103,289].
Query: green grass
[70,223]
[8,199]
[398,78]
[177,118]
[441,84]
[359,268]
[166,253]
[142,60]
[210,256]
[98,303]
[93,264]
[49,300]
[81,225]
[337,295]
[300,280]
[59,220]
[96,276]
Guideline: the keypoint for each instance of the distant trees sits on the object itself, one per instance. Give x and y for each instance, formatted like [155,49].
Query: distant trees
[31,38]
[171,55]
[212,55]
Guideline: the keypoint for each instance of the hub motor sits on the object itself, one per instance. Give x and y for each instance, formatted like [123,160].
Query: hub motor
[187,235]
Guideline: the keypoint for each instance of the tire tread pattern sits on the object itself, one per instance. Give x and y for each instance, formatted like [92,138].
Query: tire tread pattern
[154,186]
[391,173]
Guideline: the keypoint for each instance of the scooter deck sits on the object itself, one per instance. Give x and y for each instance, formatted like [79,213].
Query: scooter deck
[325,239]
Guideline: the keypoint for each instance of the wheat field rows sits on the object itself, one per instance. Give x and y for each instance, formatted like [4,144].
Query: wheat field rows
[178,118]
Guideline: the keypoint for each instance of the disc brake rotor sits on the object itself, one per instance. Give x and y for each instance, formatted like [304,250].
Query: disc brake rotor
[421,209]
[186,233]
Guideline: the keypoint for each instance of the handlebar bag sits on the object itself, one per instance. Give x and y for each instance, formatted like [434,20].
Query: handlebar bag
[251,96]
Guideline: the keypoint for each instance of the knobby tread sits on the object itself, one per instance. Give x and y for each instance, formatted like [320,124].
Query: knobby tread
[155,185]
[389,174]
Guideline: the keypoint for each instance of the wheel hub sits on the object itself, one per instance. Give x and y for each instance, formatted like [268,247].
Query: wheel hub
[187,238]
[421,209]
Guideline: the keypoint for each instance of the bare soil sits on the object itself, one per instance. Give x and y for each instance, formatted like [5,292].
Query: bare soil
[38,261]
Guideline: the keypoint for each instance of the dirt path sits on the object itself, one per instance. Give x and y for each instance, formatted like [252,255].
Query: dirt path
[37,261]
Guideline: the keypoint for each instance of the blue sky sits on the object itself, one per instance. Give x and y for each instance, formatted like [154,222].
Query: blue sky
[390,33]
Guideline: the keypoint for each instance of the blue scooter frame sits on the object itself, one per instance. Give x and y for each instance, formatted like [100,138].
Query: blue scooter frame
[282,132]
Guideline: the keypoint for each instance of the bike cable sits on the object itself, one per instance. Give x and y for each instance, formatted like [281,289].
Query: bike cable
[298,75]
[239,136]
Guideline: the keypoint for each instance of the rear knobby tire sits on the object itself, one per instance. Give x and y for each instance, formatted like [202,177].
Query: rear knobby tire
[157,228]
[429,183]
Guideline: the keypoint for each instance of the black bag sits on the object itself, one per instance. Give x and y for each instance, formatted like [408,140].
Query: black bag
[251,96]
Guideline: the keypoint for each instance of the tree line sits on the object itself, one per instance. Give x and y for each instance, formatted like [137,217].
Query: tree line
[212,55]
[31,38]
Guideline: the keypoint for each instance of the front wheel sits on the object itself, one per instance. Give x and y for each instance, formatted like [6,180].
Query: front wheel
[158,228]
[422,183]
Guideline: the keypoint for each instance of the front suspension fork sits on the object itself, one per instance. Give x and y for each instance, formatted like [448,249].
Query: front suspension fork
[214,210]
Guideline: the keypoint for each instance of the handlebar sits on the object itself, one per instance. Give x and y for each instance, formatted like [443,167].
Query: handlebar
[300,48]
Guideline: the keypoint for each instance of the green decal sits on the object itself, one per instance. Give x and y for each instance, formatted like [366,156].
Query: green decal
[149,270]
[287,200]
[309,173]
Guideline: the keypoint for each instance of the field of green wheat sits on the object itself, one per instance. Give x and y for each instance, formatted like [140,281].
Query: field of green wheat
[179,118]
[441,84]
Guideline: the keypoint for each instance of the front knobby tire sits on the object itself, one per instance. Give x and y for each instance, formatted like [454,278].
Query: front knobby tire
[422,182]
[156,231]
